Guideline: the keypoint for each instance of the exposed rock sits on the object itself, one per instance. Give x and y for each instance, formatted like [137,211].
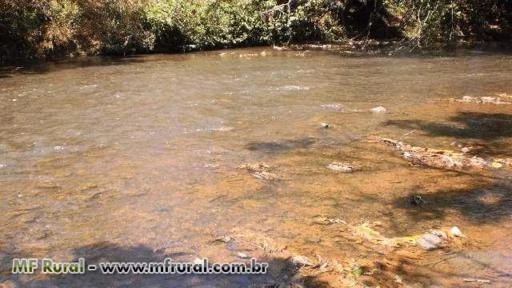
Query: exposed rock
[301,261]
[341,167]
[437,158]
[499,163]
[378,109]
[324,125]
[469,99]
[496,165]
[242,255]
[455,232]
[416,200]
[280,48]
[248,55]
[332,106]
[465,149]
[483,281]
[429,241]
[439,233]
[481,100]
[486,100]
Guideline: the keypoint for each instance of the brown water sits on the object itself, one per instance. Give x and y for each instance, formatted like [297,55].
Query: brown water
[136,159]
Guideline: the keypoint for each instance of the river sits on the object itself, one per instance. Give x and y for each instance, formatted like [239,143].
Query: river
[142,157]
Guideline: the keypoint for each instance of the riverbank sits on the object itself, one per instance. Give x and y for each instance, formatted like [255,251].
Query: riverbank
[372,48]
[54,29]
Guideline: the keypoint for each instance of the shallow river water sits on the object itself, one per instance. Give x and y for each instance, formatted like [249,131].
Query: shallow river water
[142,158]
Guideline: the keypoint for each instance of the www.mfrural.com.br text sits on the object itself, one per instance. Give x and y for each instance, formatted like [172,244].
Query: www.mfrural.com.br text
[167,266]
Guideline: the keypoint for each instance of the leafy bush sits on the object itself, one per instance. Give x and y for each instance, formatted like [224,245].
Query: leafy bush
[20,23]
[303,21]
[206,24]
[111,26]
[42,28]
[427,22]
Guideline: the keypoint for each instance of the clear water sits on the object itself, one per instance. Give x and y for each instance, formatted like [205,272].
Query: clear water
[138,158]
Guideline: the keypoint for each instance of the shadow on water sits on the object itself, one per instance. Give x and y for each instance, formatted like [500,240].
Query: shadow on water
[485,204]
[281,271]
[488,128]
[50,66]
[282,145]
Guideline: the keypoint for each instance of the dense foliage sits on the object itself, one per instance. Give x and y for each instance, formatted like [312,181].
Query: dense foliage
[43,28]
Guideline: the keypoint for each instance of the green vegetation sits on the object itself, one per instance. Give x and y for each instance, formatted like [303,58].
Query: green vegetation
[53,28]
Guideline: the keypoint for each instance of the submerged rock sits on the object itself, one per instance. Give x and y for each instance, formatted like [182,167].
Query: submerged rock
[429,241]
[341,167]
[293,88]
[366,232]
[255,166]
[322,220]
[215,129]
[260,171]
[314,239]
[264,175]
[222,239]
[211,165]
